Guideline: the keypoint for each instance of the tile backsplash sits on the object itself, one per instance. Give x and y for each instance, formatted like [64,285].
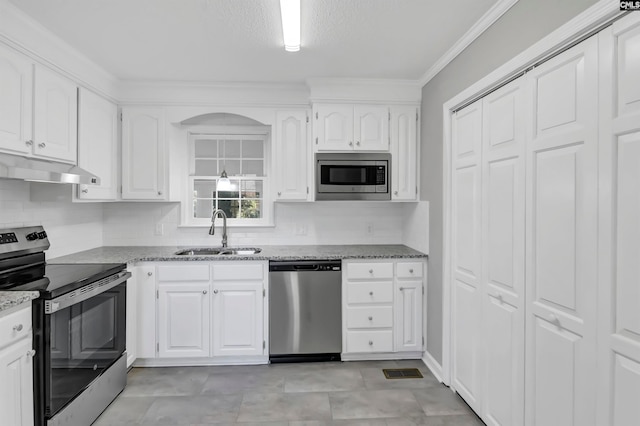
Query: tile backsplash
[71,227]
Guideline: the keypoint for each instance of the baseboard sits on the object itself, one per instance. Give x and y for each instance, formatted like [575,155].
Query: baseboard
[201,362]
[433,365]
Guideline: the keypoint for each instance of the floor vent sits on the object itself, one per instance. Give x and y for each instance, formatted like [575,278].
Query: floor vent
[402,373]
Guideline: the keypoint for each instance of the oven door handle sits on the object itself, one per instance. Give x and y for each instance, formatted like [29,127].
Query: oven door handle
[83,293]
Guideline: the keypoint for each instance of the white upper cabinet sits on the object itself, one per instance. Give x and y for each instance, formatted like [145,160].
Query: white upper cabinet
[55,125]
[291,156]
[38,110]
[351,127]
[97,145]
[16,86]
[144,167]
[404,158]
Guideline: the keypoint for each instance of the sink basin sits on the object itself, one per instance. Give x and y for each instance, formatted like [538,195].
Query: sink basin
[217,251]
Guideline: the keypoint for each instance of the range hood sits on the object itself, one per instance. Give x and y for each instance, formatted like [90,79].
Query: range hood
[37,170]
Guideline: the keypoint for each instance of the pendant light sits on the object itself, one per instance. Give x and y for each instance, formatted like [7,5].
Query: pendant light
[224,184]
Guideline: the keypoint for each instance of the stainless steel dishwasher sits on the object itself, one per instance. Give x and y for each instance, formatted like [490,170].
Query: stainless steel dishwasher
[305,310]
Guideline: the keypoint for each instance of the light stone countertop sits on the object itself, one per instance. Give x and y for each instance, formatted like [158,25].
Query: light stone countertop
[131,254]
[10,299]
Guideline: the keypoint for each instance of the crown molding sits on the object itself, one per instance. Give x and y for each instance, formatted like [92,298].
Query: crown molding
[24,34]
[491,16]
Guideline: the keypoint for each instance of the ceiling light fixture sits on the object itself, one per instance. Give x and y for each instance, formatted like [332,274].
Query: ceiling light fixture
[290,11]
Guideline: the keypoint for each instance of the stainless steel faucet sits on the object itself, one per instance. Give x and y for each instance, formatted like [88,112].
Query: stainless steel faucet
[212,230]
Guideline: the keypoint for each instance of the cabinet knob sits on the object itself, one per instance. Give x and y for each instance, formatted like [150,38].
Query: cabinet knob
[85,190]
[401,288]
[370,318]
[204,291]
[500,298]
[554,320]
[371,271]
[149,273]
[159,192]
[279,193]
[31,353]
[41,145]
[411,271]
[358,143]
[370,293]
[18,327]
[28,143]
[215,291]
[370,342]
[350,143]
[395,192]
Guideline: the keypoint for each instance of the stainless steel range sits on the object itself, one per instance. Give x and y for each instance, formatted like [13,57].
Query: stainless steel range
[79,328]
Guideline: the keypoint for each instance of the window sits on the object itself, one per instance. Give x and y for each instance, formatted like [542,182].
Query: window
[242,156]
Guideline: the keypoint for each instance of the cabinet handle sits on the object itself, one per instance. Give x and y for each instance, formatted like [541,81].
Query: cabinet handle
[18,327]
[370,318]
[370,342]
[370,293]
[215,291]
[31,353]
[204,291]
[149,273]
[28,143]
[350,143]
[41,145]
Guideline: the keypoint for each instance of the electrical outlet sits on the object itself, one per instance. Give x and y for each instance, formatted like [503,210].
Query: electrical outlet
[369,228]
[301,229]
[159,229]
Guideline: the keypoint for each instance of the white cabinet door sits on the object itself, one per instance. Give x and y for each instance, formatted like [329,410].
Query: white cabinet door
[16,102]
[146,298]
[333,127]
[407,326]
[561,235]
[503,230]
[97,145]
[238,318]
[619,244]
[183,316]
[371,128]
[55,125]
[144,167]
[291,161]
[404,159]
[466,285]
[16,384]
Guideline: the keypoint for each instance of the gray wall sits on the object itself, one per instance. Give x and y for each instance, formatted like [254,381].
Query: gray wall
[522,26]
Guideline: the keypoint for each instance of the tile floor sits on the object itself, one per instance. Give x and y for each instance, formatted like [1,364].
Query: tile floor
[309,394]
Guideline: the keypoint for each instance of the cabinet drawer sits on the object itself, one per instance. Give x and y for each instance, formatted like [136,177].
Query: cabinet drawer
[238,271]
[181,273]
[367,271]
[15,326]
[370,341]
[370,317]
[370,292]
[409,270]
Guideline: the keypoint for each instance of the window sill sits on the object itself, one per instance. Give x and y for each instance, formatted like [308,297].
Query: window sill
[229,225]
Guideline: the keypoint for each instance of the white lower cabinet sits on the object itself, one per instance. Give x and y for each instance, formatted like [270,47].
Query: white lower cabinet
[16,368]
[382,309]
[201,313]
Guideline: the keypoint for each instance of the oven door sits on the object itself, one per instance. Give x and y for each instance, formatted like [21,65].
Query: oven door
[84,333]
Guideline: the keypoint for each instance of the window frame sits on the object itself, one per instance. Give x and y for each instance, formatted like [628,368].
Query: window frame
[221,132]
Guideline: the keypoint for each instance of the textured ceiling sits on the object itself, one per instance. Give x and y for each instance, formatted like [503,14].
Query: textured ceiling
[241,40]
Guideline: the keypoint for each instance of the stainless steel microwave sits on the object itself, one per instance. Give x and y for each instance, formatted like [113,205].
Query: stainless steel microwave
[352,176]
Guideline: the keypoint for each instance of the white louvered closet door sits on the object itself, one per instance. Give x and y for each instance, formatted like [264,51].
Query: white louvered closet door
[503,220]
[466,301]
[561,234]
[619,224]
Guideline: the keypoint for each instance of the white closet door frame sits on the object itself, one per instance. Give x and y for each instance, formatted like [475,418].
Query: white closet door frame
[554,42]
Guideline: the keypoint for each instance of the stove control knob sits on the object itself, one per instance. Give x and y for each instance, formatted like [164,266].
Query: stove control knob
[32,236]
[42,235]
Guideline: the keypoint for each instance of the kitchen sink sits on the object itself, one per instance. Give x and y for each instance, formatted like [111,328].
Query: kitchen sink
[217,251]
